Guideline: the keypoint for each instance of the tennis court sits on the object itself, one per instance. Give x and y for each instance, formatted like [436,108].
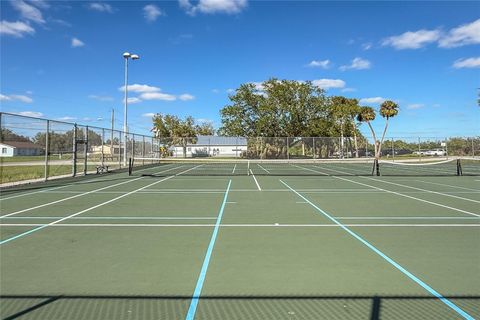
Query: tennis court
[244,241]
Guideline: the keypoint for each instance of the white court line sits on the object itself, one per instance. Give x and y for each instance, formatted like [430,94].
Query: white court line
[234,167]
[448,185]
[258,186]
[407,218]
[157,225]
[116,218]
[86,210]
[72,197]
[401,194]
[30,193]
[263,168]
[424,190]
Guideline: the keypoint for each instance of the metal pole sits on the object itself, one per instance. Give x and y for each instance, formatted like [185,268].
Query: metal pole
[85,152]
[125,114]
[120,149]
[112,153]
[46,149]
[103,143]
[143,151]
[74,157]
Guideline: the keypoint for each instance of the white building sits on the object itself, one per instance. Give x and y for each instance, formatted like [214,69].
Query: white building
[20,148]
[213,146]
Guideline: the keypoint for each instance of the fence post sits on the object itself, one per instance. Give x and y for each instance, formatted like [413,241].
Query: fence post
[85,152]
[103,142]
[74,157]
[314,148]
[47,147]
[393,150]
[120,151]
[143,150]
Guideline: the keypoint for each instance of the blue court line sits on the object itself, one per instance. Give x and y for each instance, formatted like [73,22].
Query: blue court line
[389,260]
[23,234]
[203,272]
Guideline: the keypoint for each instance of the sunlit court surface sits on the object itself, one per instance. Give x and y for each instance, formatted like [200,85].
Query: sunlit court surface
[198,245]
[239,160]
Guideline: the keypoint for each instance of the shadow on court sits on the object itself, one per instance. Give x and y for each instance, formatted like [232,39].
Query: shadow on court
[234,307]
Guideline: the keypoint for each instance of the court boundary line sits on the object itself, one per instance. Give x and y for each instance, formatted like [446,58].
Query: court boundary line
[86,210]
[426,190]
[397,193]
[448,185]
[203,271]
[424,285]
[73,197]
[243,225]
[256,182]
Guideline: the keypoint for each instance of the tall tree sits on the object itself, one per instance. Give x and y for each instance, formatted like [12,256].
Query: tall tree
[175,131]
[388,109]
[343,111]
[205,129]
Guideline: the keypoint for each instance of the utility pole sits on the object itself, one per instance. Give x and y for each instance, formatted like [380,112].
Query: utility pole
[111,134]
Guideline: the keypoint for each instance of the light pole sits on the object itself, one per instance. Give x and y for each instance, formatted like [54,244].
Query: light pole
[126,56]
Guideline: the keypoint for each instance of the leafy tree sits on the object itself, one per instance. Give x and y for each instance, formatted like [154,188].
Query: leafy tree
[205,129]
[344,111]
[9,135]
[174,131]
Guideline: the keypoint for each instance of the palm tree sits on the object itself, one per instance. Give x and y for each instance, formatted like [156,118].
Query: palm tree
[388,109]
[367,114]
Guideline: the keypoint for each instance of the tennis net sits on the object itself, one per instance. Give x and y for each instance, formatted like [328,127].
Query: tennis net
[300,167]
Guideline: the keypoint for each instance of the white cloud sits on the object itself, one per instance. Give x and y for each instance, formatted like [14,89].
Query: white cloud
[186,97]
[230,90]
[27,11]
[329,83]
[133,100]
[367,46]
[414,106]
[357,64]
[148,115]
[21,98]
[258,86]
[152,12]
[34,114]
[462,35]
[40,4]
[4,97]
[100,98]
[77,43]
[373,100]
[412,40]
[101,7]
[16,97]
[17,29]
[157,96]
[140,88]
[349,90]
[213,6]
[325,64]
[467,63]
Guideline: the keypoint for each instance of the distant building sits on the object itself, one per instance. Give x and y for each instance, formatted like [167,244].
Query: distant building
[20,148]
[213,146]
[107,149]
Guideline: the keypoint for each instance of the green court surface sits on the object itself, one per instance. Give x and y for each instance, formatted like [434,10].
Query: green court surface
[242,247]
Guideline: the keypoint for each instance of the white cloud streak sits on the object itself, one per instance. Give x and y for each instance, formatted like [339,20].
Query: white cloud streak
[357,64]
[213,6]
[473,62]
[17,29]
[34,114]
[101,7]
[157,96]
[100,98]
[152,12]
[415,106]
[324,64]
[27,11]
[16,97]
[463,35]
[329,83]
[412,40]
[186,97]
[77,43]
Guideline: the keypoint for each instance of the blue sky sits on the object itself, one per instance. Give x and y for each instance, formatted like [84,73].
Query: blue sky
[63,60]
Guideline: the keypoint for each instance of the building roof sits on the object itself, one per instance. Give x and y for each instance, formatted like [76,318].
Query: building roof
[219,141]
[22,144]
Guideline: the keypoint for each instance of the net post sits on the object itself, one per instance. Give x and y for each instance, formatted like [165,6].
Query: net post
[130,166]
[459,168]
[375,168]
